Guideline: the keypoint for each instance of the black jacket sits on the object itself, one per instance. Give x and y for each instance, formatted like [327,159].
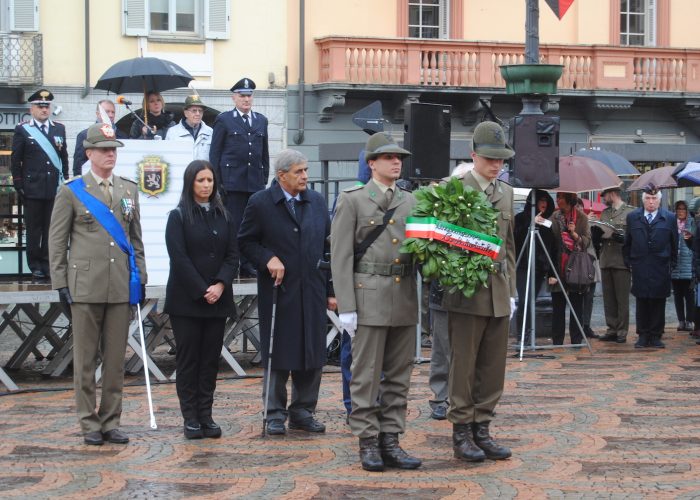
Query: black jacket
[522,229]
[31,167]
[269,229]
[200,255]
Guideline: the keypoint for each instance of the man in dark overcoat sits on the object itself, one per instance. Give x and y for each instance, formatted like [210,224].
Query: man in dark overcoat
[240,155]
[650,252]
[284,234]
[39,163]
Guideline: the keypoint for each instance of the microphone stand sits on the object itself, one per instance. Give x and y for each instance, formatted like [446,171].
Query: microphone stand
[150,132]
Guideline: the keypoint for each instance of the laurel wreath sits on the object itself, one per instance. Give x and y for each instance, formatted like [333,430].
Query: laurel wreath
[454,268]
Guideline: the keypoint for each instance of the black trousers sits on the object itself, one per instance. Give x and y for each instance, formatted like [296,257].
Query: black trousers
[683,299]
[236,202]
[521,284]
[199,342]
[37,217]
[559,316]
[305,387]
[651,316]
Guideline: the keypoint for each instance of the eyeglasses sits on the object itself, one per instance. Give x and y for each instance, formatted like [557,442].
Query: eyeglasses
[196,111]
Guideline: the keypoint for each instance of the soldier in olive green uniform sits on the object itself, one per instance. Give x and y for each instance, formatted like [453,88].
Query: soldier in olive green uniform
[91,274]
[616,277]
[478,327]
[377,297]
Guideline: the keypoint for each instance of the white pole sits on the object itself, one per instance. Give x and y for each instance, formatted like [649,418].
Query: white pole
[144,355]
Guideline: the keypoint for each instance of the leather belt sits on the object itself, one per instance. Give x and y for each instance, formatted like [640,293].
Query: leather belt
[384,269]
[501,267]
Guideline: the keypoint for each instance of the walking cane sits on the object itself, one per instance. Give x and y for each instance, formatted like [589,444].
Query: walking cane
[269,358]
[145,369]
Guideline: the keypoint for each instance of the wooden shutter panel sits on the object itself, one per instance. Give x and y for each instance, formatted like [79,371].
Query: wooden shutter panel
[217,19]
[134,18]
[24,15]
[444,18]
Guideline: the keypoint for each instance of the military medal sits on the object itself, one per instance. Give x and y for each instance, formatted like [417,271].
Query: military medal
[58,140]
[127,205]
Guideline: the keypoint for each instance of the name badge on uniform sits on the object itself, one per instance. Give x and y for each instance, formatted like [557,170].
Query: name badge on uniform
[128,208]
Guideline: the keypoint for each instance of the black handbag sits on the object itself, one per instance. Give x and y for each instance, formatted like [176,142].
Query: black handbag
[580,271]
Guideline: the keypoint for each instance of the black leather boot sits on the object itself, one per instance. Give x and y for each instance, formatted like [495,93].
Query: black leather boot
[393,455]
[369,454]
[463,444]
[483,440]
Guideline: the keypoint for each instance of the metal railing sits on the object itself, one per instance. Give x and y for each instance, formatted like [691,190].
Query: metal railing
[21,59]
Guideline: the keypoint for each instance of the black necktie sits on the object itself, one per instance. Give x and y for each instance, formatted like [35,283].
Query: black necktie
[245,120]
[43,129]
[292,206]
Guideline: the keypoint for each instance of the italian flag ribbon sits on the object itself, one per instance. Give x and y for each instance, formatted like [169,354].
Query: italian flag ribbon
[466,239]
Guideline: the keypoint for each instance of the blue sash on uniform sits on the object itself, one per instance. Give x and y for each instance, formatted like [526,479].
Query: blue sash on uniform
[46,147]
[110,224]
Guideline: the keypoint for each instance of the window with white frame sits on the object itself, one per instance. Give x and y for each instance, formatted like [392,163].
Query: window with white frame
[428,18]
[178,19]
[638,22]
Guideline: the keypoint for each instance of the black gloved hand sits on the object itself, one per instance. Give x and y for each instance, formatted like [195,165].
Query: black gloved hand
[143,295]
[66,301]
[618,237]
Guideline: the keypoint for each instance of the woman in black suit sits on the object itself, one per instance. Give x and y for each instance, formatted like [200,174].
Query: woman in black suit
[201,244]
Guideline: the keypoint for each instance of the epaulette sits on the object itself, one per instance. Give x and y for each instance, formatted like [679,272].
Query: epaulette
[127,179]
[353,188]
[72,179]
[402,188]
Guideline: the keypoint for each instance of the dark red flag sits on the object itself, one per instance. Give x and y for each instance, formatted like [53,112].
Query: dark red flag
[559,6]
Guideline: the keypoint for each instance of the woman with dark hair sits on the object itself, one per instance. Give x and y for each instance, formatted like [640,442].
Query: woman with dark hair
[158,120]
[201,245]
[682,274]
[544,207]
[571,232]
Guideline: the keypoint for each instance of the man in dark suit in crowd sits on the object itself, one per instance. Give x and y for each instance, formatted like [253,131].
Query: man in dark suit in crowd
[79,156]
[39,164]
[284,234]
[650,252]
[240,155]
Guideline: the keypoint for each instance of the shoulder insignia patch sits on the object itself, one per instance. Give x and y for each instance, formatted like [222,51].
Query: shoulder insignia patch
[127,179]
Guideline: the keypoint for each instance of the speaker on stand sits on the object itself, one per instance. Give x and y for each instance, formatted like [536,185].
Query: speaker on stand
[427,130]
[535,139]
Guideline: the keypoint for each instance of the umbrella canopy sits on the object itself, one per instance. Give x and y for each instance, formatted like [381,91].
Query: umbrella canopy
[686,174]
[143,74]
[593,206]
[660,177]
[617,163]
[578,174]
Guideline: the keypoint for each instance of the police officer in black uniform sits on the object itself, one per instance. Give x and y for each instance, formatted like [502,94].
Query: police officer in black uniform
[39,163]
[240,155]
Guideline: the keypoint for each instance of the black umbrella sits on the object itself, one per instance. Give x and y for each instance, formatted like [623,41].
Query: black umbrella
[143,74]
[617,163]
[684,180]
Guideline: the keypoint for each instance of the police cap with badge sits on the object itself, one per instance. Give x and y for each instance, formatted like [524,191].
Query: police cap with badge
[244,86]
[41,97]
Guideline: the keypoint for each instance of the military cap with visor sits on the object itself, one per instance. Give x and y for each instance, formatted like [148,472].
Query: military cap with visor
[101,135]
[193,100]
[381,143]
[489,141]
[244,86]
[41,97]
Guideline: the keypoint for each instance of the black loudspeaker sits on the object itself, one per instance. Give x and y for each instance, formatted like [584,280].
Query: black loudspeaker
[535,139]
[427,130]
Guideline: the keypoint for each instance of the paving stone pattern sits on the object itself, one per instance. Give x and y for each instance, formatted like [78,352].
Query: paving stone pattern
[623,423]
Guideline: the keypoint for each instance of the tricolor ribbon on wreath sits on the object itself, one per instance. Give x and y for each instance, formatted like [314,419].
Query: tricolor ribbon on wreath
[466,239]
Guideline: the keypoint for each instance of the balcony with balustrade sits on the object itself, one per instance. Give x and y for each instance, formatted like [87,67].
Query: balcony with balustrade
[433,64]
[21,59]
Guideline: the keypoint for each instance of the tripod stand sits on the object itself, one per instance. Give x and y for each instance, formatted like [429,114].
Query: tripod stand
[530,298]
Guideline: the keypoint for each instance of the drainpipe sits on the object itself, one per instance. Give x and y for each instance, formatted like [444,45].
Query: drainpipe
[86,88]
[299,137]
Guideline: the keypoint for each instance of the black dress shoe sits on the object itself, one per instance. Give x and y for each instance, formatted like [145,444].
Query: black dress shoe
[309,425]
[93,438]
[439,413]
[370,457]
[393,455]
[483,440]
[656,343]
[210,429]
[609,337]
[620,340]
[642,342]
[463,444]
[115,436]
[276,427]
[193,430]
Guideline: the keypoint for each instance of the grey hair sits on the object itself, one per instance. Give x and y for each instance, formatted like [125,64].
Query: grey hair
[99,103]
[657,195]
[287,158]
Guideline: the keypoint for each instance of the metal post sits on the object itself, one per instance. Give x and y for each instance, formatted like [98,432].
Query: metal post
[532,32]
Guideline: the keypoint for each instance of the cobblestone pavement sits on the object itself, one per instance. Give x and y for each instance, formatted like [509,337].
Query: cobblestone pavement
[623,423]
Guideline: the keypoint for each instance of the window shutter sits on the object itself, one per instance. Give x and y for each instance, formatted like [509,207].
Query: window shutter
[651,23]
[217,22]
[444,18]
[134,18]
[24,15]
